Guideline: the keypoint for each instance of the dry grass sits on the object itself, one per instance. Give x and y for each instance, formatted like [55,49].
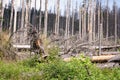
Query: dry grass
[4,39]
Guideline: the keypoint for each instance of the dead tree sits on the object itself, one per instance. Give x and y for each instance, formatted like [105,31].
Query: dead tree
[29,10]
[46,17]
[107,21]
[94,21]
[84,17]
[90,21]
[40,16]
[11,17]
[73,18]
[115,22]
[98,16]
[80,22]
[67,22]
[57,17]
[27,13]
[23,13]
[15,17]
[1,14]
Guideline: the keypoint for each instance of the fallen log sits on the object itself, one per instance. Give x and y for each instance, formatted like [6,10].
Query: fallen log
[102,58]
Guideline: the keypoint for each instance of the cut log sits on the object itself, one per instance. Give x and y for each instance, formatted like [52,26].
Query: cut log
[101,58]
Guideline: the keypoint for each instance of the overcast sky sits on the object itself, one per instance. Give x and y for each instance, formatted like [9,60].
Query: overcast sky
[52,2]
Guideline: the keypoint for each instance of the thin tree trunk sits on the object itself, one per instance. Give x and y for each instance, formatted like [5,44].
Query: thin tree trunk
[27,13]
[107,21]
[40,16]
[94,21]
[30,11]
[115,22]
[90,21]
[11,17]
[15,17]
[46,17]
[34,22]
[73,18]
[23,13]
[2,13]
[80,22]
[100,31]
[101,20]
[67,23]
[57,17]
[84,23]
[98,17]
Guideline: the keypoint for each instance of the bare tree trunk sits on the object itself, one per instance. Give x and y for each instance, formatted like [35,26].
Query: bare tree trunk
[100,31]
[90,21]
[27,13]
[34,22]
[94,21]
[67,22]
[107,21]
[29,10]
[1,15]
[98,17]
[115,22]
[84,35]
[46,17]
[73,18]
[84,23]
[57,17]
[101,20]
[23,13]
[15,17]
[11,17]
[40,16]
[80,22]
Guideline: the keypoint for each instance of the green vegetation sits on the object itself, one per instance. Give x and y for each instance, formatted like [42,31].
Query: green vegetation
[54,68]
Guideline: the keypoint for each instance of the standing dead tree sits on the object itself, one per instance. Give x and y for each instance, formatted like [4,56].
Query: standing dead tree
[90,20]
[73,18]
[94,21]
[40,16]
[107,21]
[115,22]
[23,13]
[1,14]
[46,18]
[67,22]
[57,17]
[11,17]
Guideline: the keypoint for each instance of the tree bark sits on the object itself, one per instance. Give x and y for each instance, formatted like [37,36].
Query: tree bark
[15,17]
[107,21]
[80,22]
[94,21]
[115,22]
[23,13]
[90,21]
[40,16]
[1,15]
[46,18]
[73,18]
[57,17]
[11,17]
